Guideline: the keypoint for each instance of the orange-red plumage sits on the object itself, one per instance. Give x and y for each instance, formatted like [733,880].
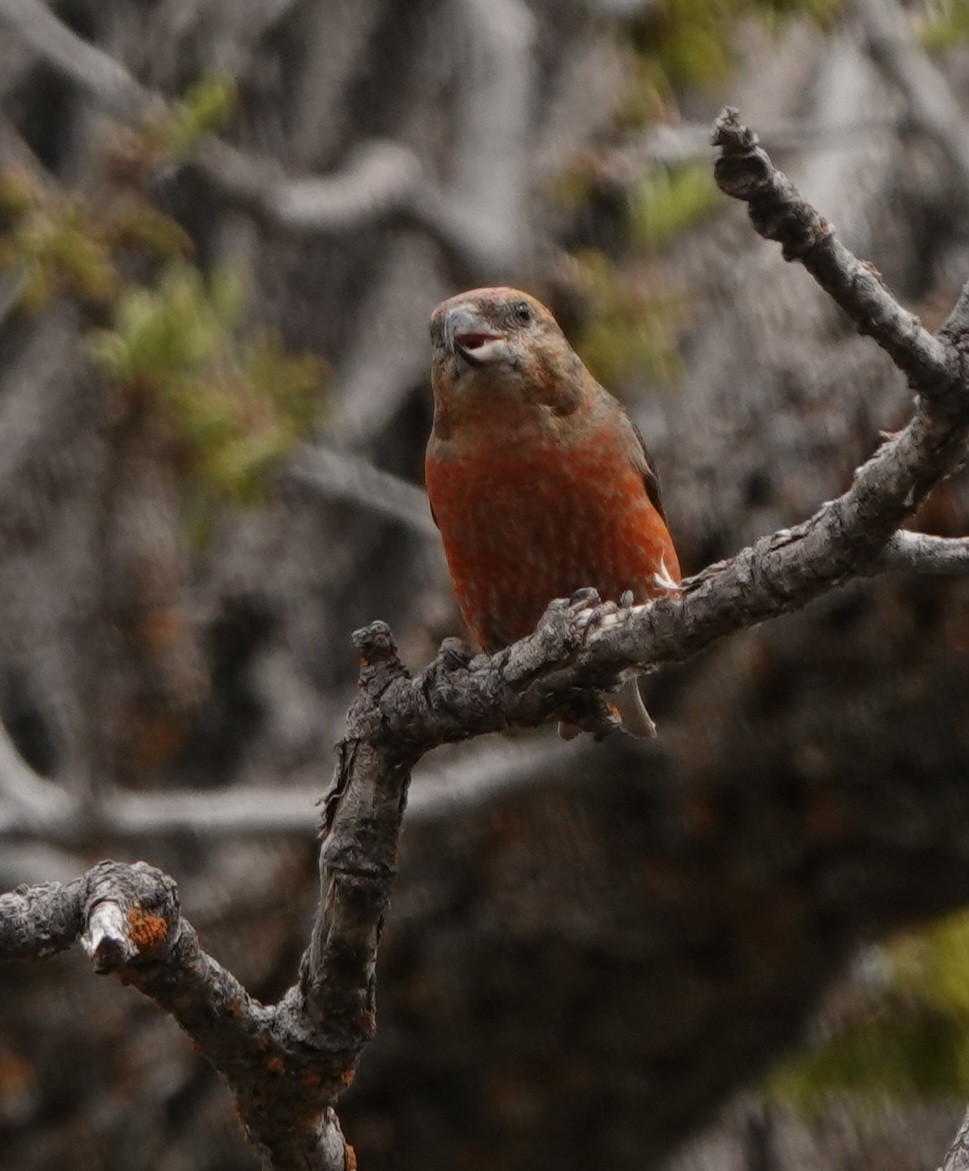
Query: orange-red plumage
[539,482]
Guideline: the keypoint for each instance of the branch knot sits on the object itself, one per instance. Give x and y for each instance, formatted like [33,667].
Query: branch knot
[380,662]
[129,910]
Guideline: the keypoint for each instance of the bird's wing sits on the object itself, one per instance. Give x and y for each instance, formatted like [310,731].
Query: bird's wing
[639,454]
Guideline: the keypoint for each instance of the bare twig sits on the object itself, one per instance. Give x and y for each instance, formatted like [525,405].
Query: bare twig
[91,69]
[345,477]
[778,212]
[921,553]
[379,179]
[52,814]
[135,819]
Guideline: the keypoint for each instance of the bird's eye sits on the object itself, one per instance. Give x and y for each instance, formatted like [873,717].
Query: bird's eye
[523,313]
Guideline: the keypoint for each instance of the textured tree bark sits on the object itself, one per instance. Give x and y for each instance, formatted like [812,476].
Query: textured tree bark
[285,1064]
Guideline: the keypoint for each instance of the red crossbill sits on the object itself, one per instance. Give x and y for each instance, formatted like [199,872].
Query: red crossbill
[538,479]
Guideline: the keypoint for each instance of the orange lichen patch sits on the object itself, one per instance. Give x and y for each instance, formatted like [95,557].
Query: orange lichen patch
[347,1075]
[349,1157]
[235,1007]
[275,1065]
[308,1119]
[146,931]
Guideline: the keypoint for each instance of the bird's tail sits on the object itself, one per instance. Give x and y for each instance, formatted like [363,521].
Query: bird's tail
[628,702]
[636,720]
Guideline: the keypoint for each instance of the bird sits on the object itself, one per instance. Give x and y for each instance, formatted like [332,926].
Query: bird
[539,481]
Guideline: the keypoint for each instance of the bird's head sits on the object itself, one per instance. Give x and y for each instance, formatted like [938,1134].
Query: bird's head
[501,342]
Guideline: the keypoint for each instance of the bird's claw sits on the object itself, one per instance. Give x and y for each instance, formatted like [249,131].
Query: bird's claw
[453,653]
[584,598]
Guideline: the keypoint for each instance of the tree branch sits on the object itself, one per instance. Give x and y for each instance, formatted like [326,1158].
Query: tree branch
[287,1063]
[344,477]
[579,644]
[778,212]
[921,553]
[136,819]
[28,802]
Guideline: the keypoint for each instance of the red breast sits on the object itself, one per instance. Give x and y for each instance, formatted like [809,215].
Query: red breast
[522,527]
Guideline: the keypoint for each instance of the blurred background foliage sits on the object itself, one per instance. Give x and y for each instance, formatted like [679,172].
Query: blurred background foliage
[946,25]
[901,1031]
[231,406]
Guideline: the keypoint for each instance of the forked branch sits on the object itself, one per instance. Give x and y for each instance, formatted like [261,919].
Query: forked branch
[288,1063]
